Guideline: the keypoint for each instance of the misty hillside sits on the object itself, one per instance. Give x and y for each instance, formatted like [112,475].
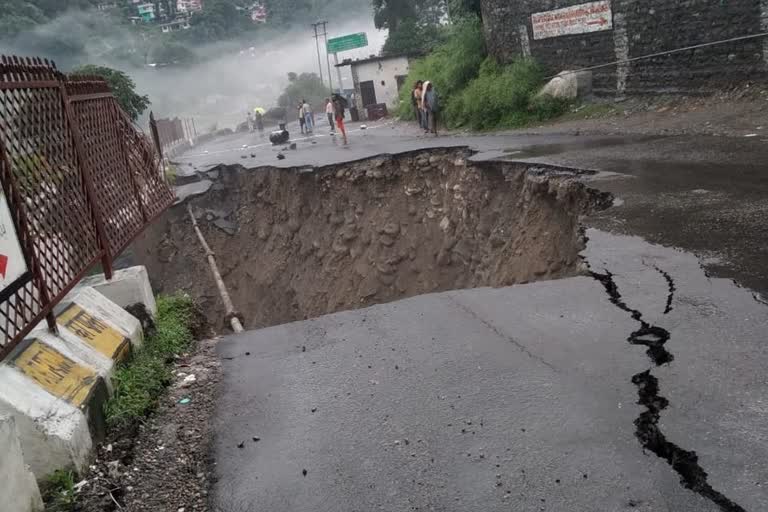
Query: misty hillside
[75,32]
[222,64]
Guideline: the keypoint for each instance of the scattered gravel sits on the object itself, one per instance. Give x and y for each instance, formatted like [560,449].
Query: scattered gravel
[162,465]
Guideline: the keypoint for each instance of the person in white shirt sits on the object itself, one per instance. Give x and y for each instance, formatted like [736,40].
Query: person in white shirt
[301,116]
[329,112]
[307,115]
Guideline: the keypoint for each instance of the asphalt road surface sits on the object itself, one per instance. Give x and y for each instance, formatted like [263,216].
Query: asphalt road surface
[519,398]
[641,386]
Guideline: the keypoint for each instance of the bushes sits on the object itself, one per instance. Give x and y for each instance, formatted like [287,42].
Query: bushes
[475,91]
[450,66]
[503,97]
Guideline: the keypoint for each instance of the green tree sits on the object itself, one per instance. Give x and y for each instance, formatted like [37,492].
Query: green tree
[17,16]
[306,86]
[390,13]
[219,20]
[123,87]
[412,38]
[287,12]
[415,26]
[462,8]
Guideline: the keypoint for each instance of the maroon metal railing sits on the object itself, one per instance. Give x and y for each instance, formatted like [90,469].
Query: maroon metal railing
[80,180]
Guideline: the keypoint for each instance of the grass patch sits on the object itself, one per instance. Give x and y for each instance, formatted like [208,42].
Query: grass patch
[171,171]
[140,382]
[503,97]
[59,492]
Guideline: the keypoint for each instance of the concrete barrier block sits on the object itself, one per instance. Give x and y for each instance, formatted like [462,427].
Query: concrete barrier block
[78,350]
[52,428]
[55,384]
[18,486]
[100,322]
[127,287]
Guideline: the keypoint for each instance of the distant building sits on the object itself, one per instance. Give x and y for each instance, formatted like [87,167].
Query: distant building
[146,11]
[188,6]
[175,25]
[258,13]
[377,80]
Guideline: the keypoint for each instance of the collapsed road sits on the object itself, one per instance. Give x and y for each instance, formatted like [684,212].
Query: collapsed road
[614,375]
[301,243]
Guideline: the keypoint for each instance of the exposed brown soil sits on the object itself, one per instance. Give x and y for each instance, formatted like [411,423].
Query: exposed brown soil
[299,243]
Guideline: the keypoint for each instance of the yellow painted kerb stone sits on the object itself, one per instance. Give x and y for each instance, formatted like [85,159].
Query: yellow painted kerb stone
[103,338]
[56,373]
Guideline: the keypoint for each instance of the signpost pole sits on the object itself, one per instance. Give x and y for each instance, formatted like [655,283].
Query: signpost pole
[338,70]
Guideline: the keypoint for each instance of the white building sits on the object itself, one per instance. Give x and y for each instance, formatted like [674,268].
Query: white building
[188,6]
[377,80]
[174,26]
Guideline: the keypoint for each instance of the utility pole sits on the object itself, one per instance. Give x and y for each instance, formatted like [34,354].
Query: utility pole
[317,45]
[327,57]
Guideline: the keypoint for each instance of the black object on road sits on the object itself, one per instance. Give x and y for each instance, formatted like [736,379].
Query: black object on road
[280,136]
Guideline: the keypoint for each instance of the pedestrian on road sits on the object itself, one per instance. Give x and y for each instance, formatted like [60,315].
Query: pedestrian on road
[339,104]
[302,119]
[432,105]
[423,107]
[416,99]
[308,116]
[330,113]
[249,122]
[259,122]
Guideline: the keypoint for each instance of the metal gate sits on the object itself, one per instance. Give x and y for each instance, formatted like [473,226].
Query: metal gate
[80,182]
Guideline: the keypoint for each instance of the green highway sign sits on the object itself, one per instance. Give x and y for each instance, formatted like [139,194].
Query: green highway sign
[348,42]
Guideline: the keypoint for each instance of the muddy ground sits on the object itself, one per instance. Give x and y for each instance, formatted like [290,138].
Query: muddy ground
[299,243]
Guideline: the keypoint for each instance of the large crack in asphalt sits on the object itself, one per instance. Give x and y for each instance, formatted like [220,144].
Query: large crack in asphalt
[684,462]
[648,335]
[671,287]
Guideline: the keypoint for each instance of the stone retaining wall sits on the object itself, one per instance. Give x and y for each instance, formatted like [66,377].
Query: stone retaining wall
[641,28]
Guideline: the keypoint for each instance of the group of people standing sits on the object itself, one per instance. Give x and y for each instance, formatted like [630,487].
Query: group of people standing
[306,117]
[426,104]
[335,107]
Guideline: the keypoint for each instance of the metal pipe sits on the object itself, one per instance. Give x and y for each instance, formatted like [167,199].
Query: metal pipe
[237,326]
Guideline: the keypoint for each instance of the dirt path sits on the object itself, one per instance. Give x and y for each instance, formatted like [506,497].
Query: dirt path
[740,112]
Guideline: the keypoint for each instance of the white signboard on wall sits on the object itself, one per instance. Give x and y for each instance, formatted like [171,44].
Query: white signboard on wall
[12,264]
[578,19]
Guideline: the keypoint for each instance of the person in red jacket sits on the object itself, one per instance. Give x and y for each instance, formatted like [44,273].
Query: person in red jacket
[339,105]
